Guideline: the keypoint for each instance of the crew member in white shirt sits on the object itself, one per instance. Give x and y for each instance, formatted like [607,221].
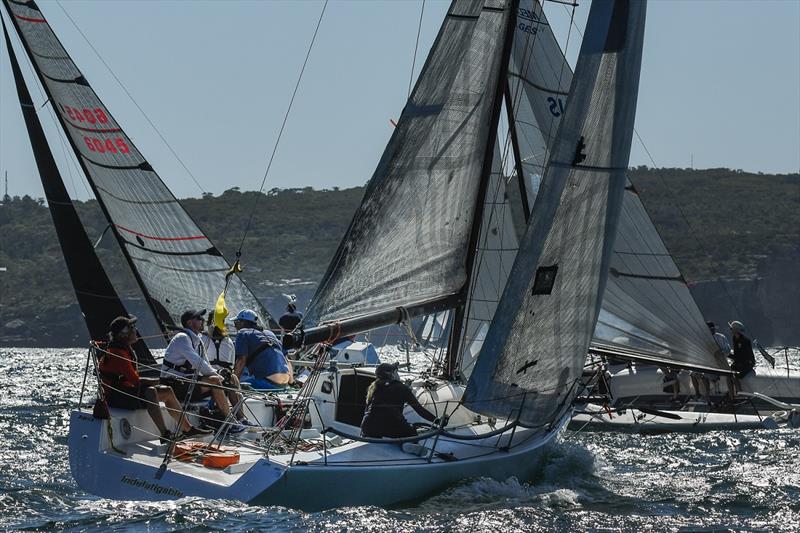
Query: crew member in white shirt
[183,358]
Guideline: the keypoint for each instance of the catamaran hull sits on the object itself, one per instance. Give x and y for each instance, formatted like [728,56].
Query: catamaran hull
[311,487]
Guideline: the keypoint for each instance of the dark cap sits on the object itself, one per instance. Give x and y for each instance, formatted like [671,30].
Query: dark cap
[386,370]
[711,325]
[120,323]
[190,314]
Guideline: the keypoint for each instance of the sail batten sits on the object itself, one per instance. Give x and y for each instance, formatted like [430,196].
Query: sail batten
[145,217]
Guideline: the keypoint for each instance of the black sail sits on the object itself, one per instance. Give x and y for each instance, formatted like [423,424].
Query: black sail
[175,263]
[97,299]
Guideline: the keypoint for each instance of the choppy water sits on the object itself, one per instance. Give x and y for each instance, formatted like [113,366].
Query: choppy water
[734,481]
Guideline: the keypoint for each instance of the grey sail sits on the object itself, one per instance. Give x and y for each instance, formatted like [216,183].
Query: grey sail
[647,306]
[407,243]
[175,263]
[533,355]
[496,250]
[538,78]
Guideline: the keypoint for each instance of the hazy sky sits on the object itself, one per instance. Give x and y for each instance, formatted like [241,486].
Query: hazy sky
[720,82]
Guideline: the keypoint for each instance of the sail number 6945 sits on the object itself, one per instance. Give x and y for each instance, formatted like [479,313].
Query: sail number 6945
[115,145]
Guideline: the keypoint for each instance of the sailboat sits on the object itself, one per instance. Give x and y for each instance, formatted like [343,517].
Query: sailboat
[410,250]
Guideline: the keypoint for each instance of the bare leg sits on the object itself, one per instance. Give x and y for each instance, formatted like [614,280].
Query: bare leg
[167,395]
[219,395]
[235,397]
[154,409]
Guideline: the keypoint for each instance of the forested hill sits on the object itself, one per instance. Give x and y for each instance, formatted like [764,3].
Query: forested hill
[719,223]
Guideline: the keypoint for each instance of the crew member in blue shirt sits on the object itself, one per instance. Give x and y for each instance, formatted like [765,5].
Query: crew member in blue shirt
[261,353]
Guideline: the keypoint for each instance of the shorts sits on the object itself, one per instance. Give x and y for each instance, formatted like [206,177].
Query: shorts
[181,389]
[126,398]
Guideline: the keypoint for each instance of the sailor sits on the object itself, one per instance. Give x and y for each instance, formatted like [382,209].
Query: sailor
[386,398]
[219,351]
[123,388]
[291,318]
[744,360]
[261,353]
[720,339]
[183,363]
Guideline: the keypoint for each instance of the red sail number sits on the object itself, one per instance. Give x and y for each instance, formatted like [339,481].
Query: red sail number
[115,145]
[92,116]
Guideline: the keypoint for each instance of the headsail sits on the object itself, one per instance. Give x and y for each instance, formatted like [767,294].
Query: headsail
[647,306]
[175,263]
[97,299]
[535,348]
[408,240]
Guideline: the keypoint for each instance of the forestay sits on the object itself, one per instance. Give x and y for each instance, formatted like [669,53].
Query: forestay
[533,354]
[175,263]
[407,242]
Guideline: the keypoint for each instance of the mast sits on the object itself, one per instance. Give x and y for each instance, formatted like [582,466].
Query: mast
[97,299]
[453,347]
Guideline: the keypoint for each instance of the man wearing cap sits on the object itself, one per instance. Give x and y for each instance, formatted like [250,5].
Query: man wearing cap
[123,388]
[720,339]
[261,353]
[744,360]
[183,362]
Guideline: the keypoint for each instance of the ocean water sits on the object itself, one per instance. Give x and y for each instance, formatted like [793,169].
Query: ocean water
[719,481]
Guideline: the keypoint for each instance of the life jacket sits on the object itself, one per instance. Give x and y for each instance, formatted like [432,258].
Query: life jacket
[186,367]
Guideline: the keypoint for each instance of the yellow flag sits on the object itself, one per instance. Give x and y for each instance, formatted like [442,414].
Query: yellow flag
[220,309]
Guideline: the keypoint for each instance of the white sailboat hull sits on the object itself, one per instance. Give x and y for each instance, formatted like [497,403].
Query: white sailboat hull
[355,474]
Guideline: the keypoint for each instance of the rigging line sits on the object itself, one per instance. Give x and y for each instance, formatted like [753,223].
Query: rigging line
[280,132]
[147,118]
[416,47]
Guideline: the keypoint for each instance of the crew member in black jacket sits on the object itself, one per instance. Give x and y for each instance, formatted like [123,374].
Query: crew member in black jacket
[743,358]
[386,398]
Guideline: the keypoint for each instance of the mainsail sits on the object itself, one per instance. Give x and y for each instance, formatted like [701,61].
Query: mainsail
[174,262]
[535,348]
[97,299]
[408,241]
